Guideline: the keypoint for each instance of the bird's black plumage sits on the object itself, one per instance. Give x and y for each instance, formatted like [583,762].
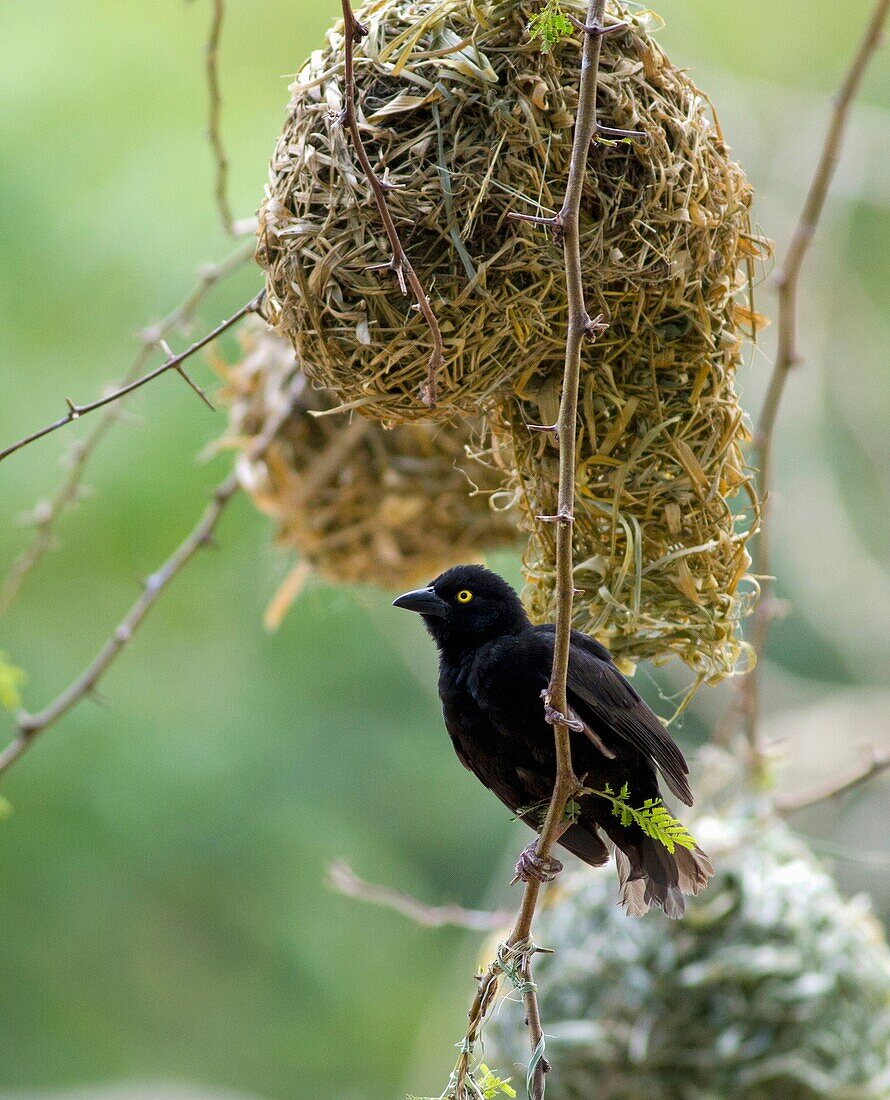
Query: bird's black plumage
[493,666]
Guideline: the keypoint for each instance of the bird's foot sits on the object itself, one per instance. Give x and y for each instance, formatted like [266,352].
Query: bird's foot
[530,866]
[556,718]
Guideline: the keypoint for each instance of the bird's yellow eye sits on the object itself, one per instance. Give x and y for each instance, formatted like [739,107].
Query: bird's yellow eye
[464,596]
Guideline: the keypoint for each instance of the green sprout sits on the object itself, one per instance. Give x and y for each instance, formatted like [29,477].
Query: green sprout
[652,817]
[551,25]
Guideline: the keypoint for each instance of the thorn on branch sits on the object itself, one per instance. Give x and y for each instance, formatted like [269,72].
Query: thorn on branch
[181,371]
[595,326]
[595,31]
[549,429]
[535,219]
[560,517]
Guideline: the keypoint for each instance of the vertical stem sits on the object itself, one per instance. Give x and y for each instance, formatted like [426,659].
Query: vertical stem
[579,326]
[788,355]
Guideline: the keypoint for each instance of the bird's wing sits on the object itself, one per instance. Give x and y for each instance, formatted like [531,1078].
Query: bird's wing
[605,701]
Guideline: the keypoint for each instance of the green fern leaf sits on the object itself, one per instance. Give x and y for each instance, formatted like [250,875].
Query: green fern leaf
[652,817]
[550,25]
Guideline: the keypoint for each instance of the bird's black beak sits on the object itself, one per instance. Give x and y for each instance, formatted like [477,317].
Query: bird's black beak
[424,601]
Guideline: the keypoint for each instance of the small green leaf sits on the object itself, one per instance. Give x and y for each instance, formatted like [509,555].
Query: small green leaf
[493,1086]
[12,678]
[550,25]
[652,817]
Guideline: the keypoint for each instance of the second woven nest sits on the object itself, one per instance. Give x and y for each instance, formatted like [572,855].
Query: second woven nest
[471,121]
[358,503]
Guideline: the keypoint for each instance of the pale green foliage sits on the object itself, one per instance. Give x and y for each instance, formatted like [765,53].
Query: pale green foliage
[12,678]
[550,25]
[652,817]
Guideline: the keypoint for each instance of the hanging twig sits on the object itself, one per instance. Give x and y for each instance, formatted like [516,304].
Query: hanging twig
[174,362]
[515,955]
[45,514]
[399,264]
[788,354]
[344,880]
[213,124]
[875,764]
[31,725]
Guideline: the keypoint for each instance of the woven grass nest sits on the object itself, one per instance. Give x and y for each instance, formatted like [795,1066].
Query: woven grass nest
[470,120]
[356,502]
[772,986]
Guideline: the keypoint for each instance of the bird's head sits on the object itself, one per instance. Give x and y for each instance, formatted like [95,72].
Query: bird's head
[465,606]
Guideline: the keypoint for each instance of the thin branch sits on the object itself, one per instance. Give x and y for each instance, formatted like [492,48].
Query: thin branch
[874,765]
[75,412]
[788,355]
[46,513]
[213,123]
[344,880]
[31,725]
[515,956]
[399,264]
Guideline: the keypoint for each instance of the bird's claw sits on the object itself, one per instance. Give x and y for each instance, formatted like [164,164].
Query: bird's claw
[530,866]
[555,717]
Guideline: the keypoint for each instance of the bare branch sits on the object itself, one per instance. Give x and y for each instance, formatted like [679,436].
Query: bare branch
[399,264]
[874,765]
[213,124]
[516,954]
[31,725]
[75,412]
[344,880]
[788,354]
[46,514]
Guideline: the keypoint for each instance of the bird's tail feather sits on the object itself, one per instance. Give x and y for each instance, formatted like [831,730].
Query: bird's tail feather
[648,874]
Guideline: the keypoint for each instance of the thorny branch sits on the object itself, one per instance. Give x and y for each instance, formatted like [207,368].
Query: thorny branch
[172,362]
[399,264]
[214,134]
[344,880]
[788,355]
[46,514]
[31,725]
[514,957]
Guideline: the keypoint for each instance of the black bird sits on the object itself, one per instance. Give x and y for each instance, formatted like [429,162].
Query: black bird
[493,667]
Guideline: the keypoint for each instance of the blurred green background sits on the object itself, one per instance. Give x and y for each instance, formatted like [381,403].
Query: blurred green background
[163,912]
